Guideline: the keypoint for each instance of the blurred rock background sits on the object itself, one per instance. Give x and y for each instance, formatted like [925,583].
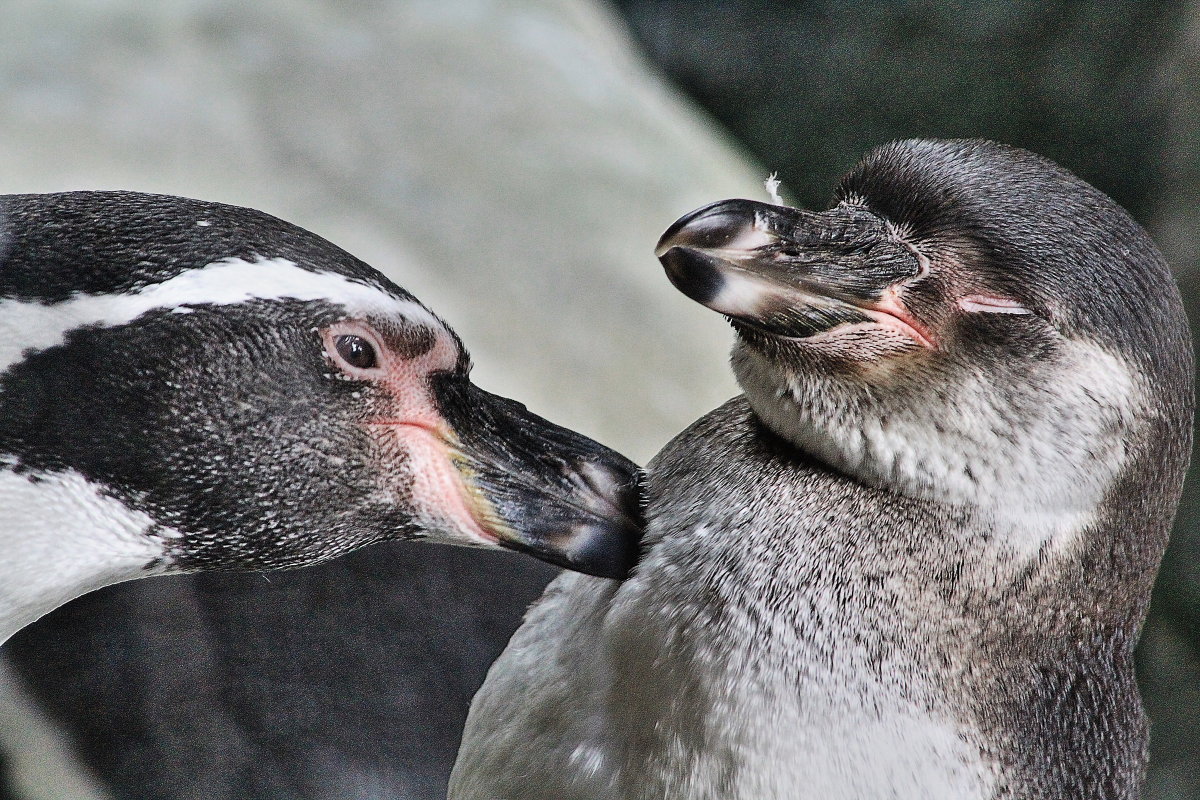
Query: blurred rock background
[512,162]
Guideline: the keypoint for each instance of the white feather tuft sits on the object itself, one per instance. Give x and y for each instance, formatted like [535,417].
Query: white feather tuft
[771,184]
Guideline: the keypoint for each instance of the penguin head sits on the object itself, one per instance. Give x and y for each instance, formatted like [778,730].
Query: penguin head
[250,396]
[968,323]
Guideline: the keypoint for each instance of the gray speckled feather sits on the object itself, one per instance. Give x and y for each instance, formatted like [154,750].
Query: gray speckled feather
[913,560]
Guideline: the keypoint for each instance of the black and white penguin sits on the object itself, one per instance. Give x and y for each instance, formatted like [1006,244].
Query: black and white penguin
[190,386]
[912,561]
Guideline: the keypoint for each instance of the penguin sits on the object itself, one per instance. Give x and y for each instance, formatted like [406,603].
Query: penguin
[912,559]
[188,386]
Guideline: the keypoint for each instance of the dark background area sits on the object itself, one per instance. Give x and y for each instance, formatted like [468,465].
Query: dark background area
[1107,89]
[808,87]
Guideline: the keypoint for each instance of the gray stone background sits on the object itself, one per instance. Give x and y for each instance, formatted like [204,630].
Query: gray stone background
[512,163]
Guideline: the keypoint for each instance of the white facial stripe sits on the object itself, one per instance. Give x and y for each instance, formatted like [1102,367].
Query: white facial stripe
[61,538]
[26,326]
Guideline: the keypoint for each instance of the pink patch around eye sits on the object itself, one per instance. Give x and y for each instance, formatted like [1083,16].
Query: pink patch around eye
[417,445]
[990,304]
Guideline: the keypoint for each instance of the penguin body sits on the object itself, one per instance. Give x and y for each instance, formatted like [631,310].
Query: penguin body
[914,558]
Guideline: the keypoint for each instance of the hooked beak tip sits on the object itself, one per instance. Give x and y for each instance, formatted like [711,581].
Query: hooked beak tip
[538,488]
[723,225]
[588,519]
[604,548]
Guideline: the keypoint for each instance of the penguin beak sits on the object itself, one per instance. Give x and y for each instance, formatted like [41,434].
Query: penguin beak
[789,272]
[539,488]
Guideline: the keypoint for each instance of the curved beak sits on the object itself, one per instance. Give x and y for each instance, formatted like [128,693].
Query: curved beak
[540,488]
[785,271]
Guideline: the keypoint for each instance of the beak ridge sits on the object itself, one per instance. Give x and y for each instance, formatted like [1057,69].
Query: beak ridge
[783,271]
[728,226]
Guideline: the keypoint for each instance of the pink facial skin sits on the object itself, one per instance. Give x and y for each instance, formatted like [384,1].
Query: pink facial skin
[410,431]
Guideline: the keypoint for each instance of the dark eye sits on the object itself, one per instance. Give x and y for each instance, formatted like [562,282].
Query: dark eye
[356,351]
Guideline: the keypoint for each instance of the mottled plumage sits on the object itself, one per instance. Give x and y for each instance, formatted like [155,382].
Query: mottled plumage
[913,560]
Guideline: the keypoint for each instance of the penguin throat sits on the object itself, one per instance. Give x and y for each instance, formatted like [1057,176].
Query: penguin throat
[1034,453]
[63,536]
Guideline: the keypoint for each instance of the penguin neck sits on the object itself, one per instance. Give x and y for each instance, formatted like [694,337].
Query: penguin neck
[1032,459]
[780,536]
[62,537]
[813,605]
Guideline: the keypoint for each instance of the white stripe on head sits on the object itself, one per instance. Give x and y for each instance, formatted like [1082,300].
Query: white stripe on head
[30,326]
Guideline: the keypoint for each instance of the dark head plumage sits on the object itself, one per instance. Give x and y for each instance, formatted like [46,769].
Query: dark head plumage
[1035,232]
[224,390]
[982,272]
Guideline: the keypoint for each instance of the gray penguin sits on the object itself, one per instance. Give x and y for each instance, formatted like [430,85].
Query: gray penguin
[913,559]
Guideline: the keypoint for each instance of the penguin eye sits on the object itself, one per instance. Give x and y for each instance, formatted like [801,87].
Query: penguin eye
[356,351]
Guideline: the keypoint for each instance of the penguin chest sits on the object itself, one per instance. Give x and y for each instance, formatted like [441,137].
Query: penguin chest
[659,688]
[729,702]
